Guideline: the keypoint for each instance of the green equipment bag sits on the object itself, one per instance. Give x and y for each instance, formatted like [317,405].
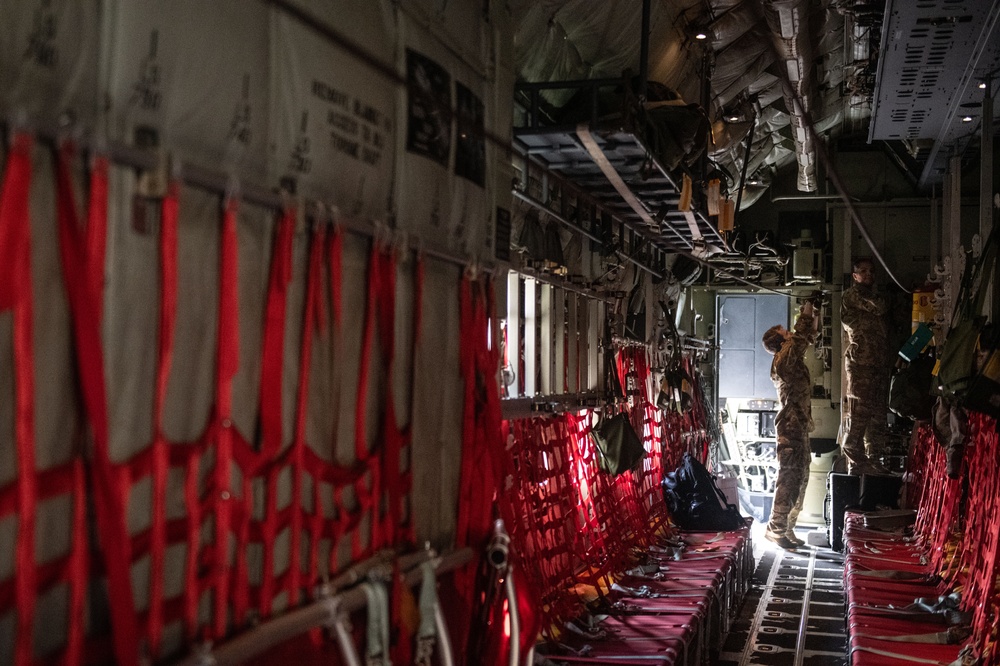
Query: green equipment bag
[910,390]
[984,388]
[959,353]
[619,448]
[955,371]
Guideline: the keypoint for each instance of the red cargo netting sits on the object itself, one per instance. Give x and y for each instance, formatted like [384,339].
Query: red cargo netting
[574,523]
[956,540]
[232,500]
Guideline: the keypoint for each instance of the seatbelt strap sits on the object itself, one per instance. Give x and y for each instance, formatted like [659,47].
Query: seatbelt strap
[97,229]
[378,624]
[313,305]
[15,294]
[274,336]
[271,395]
[161,453]
[427,631]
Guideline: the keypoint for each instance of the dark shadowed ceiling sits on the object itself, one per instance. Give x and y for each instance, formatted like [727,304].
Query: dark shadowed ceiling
[788,75]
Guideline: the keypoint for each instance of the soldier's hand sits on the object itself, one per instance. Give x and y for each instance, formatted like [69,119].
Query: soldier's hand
[806,308]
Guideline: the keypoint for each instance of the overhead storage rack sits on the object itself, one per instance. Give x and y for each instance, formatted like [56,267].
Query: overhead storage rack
[616,168]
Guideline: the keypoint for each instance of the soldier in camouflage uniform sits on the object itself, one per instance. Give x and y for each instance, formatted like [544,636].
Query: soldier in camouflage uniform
[863,316]
[793,423]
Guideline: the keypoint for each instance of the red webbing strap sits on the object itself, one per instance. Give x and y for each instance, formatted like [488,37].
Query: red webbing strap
[481,423]
[977,546]
[399,485]
[382,529]
[621,368]
[79,568]
[469,482]
[482,379]
[392,477]
[396,483]
[407,531]
[379,312]
[108,489]
[274,336]
[360,407]
[97,229]
[987,440]
[192,565]
[335,254]
[160,450]
[97,224]
[915,462]
[269,531]
[14,221]
[466,357]
[312,296]
[15,293]
[271,411]
[227,364]
[334,474]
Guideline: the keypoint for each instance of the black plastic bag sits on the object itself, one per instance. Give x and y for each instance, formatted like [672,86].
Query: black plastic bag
[910,391]
[695,501]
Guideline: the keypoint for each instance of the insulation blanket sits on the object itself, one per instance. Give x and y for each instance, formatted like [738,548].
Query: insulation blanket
[48,61]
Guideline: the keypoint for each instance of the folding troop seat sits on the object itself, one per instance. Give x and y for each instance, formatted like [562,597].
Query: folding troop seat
[639,660]
[672,608]
[883,576]
[873,652]
[671,638]
[897,587]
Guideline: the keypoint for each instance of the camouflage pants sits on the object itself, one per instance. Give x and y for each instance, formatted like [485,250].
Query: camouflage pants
[793,477]
[864,427]
[864,431]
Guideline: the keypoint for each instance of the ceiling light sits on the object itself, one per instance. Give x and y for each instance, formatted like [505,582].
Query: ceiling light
[700,35]
[982,86]
[732,118]
[967,119]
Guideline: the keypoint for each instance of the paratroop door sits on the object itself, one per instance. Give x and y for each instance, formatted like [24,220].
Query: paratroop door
[744,364]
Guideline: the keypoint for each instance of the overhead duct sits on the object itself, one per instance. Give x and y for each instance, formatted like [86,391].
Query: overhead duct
[732,25]
[789,23]
[740,64]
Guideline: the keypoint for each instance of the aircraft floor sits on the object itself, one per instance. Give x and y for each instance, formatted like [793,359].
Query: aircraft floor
[794,613]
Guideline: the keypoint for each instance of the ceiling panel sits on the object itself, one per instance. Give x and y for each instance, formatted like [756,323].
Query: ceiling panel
[934,55]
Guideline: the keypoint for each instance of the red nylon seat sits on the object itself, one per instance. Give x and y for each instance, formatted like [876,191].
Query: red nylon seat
[862,652]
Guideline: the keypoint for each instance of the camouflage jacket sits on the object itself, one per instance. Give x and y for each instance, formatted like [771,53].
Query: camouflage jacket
[791,376]
[863,316]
